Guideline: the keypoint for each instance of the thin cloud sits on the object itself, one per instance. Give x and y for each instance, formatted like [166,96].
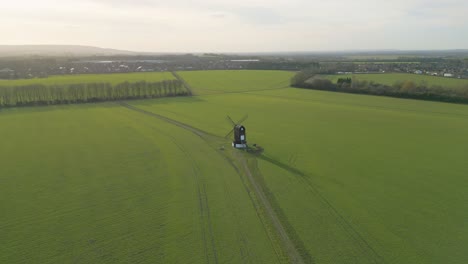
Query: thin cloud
[243,25]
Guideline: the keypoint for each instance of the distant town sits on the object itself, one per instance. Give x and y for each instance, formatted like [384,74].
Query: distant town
[444,65]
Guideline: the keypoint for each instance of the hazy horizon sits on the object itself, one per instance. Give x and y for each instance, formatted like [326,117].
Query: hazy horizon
[243,26]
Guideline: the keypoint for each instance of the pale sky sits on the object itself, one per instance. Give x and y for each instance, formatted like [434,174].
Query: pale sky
[237,25]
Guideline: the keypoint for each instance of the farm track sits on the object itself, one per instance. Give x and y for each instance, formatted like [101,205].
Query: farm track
[291,249]
[363,244]
[241,165]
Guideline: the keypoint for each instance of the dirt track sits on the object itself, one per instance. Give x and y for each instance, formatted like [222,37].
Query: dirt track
[240,165]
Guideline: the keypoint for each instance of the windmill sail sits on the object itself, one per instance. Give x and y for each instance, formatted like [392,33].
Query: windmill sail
[229,134]
[229,119]
[242,119]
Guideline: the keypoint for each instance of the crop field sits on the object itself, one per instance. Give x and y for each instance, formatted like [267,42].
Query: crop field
[391,78]
[105,184]
[213,82]
[350,178]
[92,78]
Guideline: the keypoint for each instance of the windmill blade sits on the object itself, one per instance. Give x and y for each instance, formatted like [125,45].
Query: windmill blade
[243,119]
[229,119]
[229,134]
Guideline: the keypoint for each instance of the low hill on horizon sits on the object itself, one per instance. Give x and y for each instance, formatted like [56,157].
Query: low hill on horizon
[60,50]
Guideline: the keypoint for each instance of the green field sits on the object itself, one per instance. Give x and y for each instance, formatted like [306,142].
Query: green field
[352,178]
[392,78]
[92,78]
[215,82]
[104,184]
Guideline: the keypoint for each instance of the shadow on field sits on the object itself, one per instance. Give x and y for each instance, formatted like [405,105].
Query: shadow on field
[282,165]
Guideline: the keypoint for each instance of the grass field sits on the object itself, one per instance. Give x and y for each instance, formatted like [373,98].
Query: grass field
[353,178]
[92,78]
[213,82]
[391,78]
[103,184]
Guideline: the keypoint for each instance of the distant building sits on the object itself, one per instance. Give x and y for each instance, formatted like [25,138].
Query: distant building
[418,72]
[448,75]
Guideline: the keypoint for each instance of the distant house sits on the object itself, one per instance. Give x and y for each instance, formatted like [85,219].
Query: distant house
[448,75]
[418,72]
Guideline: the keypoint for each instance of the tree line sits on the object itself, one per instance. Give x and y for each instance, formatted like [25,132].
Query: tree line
[40,94]
[400,89]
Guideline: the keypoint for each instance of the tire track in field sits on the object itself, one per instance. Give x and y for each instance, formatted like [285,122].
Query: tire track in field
[288,245]
[346,225]
[255,205]
[294,255]
[245,251]
[204,209]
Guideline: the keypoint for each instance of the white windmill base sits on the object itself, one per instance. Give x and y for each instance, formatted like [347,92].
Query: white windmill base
[237,145]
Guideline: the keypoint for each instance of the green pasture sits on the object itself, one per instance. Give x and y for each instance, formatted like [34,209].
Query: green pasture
[392,78]
[104,184]
[353,178]
[213,82]
[381,179]
[92,78]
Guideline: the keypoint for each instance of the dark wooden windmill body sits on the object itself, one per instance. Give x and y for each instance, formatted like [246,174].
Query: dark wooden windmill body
[240,138]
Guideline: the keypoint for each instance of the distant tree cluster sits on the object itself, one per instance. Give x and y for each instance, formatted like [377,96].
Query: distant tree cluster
[401,89]
[342,81]
[39,94]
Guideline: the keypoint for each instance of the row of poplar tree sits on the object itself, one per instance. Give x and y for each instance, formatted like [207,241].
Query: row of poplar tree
[39,94]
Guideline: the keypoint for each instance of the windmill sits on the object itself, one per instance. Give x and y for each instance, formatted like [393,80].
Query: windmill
[240,140]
